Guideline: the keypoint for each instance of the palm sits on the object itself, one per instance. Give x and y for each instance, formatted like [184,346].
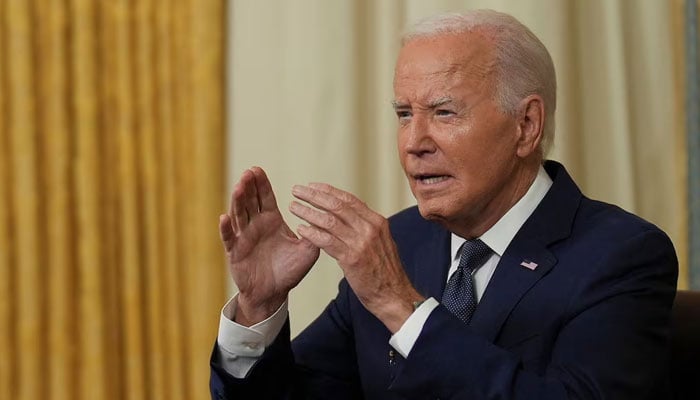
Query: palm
[266,258]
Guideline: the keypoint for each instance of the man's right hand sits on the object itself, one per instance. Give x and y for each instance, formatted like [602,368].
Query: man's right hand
[266,258]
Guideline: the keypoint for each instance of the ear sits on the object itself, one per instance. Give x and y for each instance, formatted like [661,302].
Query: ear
[530,125]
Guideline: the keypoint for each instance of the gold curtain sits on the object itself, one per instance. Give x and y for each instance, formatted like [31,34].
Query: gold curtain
[111,181]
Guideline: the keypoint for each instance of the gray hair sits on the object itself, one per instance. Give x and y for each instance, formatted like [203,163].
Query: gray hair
[523,65]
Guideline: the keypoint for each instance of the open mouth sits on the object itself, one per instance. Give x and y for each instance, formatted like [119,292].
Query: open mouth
[431,179]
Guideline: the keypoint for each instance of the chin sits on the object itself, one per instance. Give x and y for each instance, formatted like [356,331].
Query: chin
[430,212]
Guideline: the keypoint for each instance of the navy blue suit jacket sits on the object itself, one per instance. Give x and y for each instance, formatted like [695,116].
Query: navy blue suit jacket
[590,322]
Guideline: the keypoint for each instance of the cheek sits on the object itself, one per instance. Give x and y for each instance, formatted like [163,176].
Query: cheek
[460,141]
[403,160]
[487,144]
[400,150]
[402,137]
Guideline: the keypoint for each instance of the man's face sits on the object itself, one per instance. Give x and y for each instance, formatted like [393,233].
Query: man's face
[457,147]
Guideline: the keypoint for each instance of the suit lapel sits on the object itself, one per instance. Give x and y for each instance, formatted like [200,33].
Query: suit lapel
[551,221]
[509,283]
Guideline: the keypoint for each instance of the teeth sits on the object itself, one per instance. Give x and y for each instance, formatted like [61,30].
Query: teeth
[434,179]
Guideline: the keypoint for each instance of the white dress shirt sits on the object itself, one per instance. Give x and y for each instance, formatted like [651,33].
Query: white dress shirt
[241,347]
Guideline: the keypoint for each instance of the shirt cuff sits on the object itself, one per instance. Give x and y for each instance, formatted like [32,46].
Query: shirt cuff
[240,347]
[404,339]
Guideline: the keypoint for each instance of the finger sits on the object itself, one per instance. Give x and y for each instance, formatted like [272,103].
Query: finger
[323,240]
[251,203]
[347,198]
[243,205]
[350,210]
[231,211]
[240,183]
[324,220]
[266,196]
[332,190]
[226,232]
[321,200]
[238,211]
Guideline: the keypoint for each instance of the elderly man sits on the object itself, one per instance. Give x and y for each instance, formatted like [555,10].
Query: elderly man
[505,282]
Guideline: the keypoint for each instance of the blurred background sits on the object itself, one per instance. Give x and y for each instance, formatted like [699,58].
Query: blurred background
[124,125]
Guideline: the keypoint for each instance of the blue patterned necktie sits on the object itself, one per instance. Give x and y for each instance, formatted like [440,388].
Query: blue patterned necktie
[459,296]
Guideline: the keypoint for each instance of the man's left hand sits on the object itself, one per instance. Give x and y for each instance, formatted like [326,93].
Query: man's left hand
[360,240]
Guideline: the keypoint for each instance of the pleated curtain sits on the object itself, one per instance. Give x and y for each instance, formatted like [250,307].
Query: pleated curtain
[111,177]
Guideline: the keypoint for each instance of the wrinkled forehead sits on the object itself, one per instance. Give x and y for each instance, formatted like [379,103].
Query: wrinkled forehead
[445,58]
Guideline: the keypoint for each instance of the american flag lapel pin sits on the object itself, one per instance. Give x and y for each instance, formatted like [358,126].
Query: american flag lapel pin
[529,264]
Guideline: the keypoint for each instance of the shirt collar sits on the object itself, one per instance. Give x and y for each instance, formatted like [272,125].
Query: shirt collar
[499,236]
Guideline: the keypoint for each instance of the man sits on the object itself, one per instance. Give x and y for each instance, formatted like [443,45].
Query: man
[504,282]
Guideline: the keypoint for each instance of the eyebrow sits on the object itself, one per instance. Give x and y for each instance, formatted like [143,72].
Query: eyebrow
[439,102]
[396,104]
[433,103]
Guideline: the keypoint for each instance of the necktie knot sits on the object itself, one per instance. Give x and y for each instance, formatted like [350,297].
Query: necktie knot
[474,254]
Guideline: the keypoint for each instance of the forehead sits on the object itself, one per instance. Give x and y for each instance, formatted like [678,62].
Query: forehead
[443,62]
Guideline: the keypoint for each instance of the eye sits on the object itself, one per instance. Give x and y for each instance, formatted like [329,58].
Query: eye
[403,115]
[444,112]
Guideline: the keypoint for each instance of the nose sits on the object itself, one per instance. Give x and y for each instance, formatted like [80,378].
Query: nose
[416,138]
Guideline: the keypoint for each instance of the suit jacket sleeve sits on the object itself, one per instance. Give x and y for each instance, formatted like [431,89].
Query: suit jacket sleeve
[321,361]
